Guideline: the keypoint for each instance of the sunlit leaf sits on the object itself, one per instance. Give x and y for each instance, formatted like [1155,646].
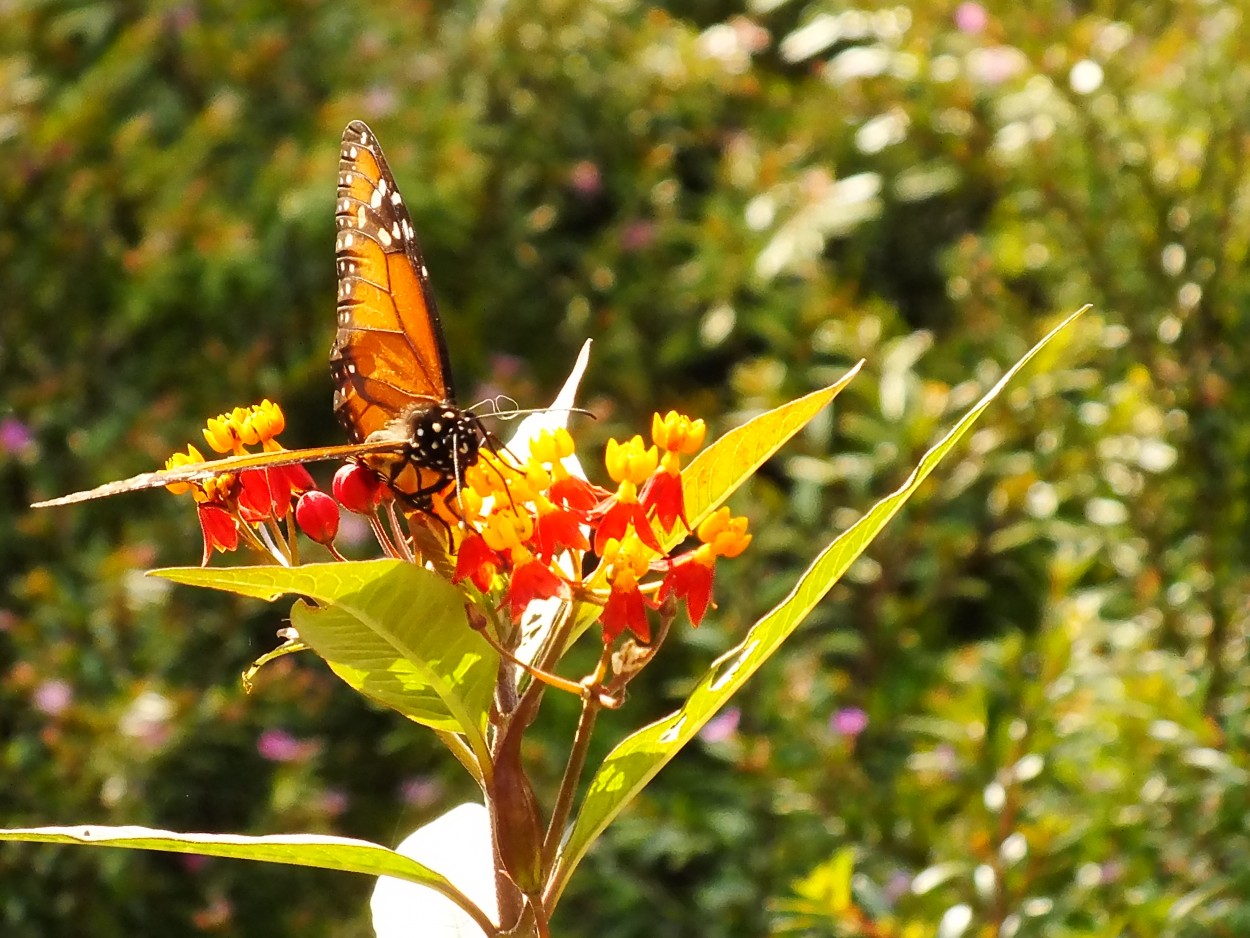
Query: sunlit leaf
[716,473]
[392,630]
[316,850]
[637,758]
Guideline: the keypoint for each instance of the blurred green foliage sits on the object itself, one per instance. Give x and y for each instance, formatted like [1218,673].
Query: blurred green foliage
[1024,714]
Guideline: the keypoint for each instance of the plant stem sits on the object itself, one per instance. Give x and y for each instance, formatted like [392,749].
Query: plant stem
[384,540]
[276,539]
[573,769]
[551,680]
[292,537]
[246,532]
[400,540]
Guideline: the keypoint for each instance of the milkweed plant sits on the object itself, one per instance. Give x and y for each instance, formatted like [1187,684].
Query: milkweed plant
[463,623]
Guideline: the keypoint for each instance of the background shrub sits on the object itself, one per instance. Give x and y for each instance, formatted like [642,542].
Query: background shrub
[1024,712]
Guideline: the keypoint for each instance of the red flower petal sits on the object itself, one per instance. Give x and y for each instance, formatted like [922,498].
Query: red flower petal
[256,495]
[691,581]
[612,524]
[625,609]
[219,530]
[297,478]
[642,527]
[663,497]
[576,494]
[533,580]
[557,531]
[476,561]
[616,521]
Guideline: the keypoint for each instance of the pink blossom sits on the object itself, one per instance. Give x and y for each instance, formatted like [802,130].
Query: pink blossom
[586,178]
[849,722]
[53,697]
[421,791]
[281,746]
[333,801]
[637,235]
[721,727]
[971,18]
[15,436]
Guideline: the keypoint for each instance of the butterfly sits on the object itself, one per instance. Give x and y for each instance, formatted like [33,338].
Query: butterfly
[392,375]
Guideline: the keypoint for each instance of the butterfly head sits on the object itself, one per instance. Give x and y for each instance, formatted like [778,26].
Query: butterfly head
[435,443]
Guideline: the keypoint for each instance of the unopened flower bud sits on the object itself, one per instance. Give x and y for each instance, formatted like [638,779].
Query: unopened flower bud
[357,489]
[317,516]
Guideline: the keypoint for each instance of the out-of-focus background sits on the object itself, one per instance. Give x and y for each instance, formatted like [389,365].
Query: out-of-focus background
[1024,713]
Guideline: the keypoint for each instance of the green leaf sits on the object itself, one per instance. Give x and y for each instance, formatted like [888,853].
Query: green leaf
[716,473]
[394,631]
[637,758]
[317,850]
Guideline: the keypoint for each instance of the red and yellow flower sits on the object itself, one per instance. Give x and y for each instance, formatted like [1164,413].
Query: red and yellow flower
[519,531]
[229,504]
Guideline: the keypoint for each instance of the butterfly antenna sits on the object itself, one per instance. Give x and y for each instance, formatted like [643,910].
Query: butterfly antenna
[511,413]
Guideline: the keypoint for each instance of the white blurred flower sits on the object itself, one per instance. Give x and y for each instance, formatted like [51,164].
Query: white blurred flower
[457,845]
[555,417]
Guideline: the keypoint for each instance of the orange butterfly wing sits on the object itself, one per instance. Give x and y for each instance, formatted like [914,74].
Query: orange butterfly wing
[389,353]
[389,358]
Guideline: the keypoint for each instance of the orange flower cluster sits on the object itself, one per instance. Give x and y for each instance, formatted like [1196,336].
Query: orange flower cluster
[229,505]
[519,533]
[534,526]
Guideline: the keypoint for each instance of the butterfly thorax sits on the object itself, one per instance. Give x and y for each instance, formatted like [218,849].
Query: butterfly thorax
[436,443]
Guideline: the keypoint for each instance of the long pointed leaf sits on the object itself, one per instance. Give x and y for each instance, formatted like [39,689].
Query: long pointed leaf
[345,854]
[715,473]
[637,758]
[392,630]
